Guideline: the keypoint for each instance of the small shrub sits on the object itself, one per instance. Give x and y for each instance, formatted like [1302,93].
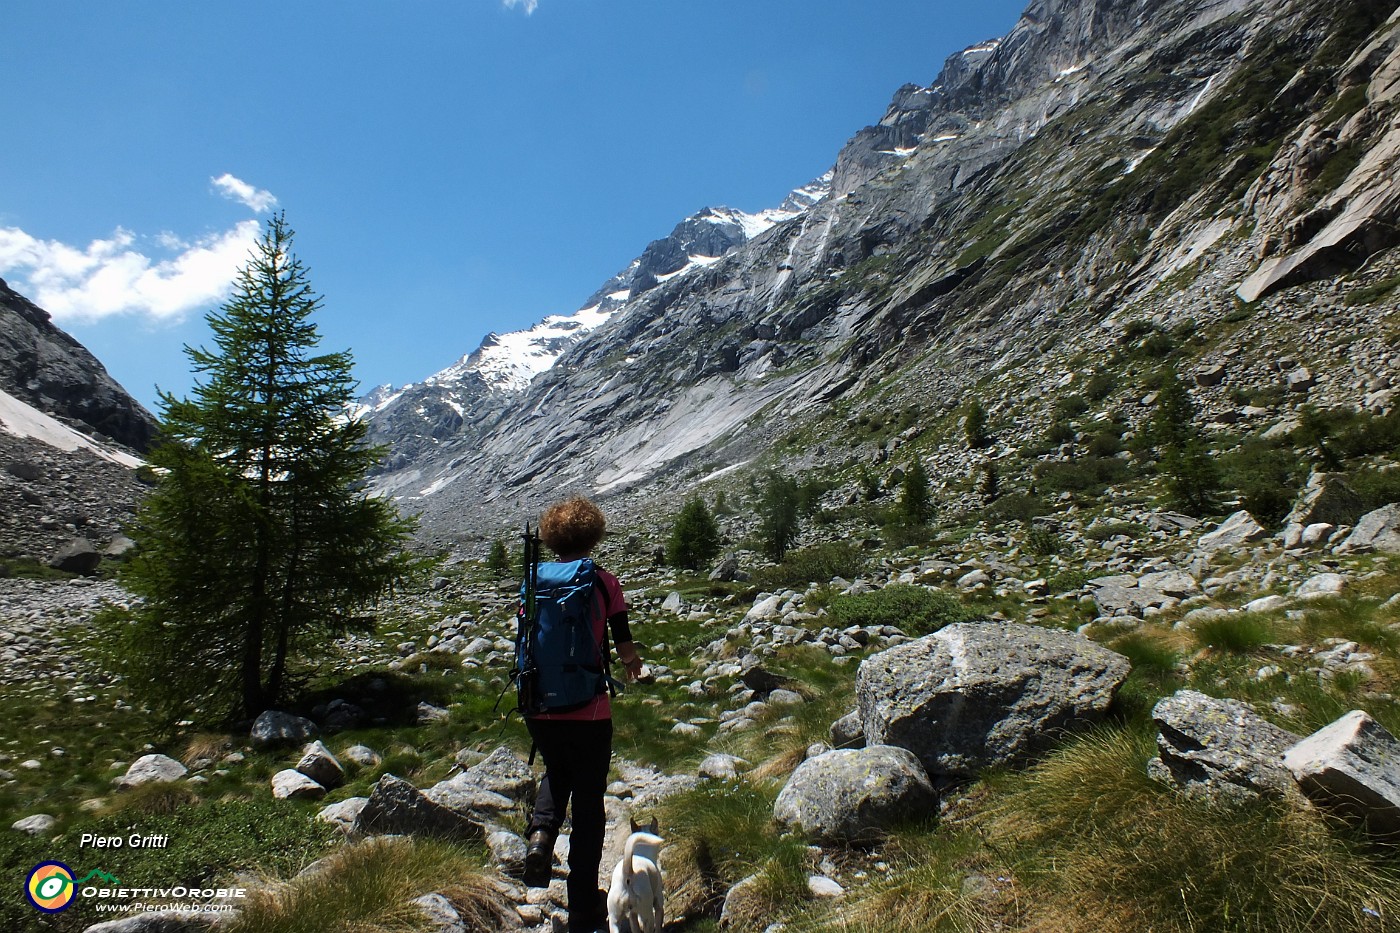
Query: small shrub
[914,610]
[915,503]
[1069,407]
[498,560]
[816,564]
[1067,581]
[1100,386]
[1268,476]
[1106,530]
[1368,294]
[1060,432]
[975,426]
[1377,488]
[1042,541]
[1086,475]
[1016,507]
[899,534]
[779,515]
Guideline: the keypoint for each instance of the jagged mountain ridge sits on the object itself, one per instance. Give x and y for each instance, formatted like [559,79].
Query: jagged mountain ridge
[455,404]
[1039,183]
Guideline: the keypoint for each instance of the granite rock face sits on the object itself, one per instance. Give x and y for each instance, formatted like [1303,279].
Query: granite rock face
[718,359]
[979,694]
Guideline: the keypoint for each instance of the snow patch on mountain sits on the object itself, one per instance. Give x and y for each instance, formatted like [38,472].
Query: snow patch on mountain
[22,420]
[507,362]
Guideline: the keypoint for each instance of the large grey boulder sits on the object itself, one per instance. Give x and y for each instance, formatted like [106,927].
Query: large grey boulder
[152,769]
[504,772]
[465,796]
[396,806]
[320,765]
[79,555]
[1327,498]
[977,694]
[1219,750]
[1376,531]
[492,786]
[1353,766]
[274,728]
[1235,531]
[854,795]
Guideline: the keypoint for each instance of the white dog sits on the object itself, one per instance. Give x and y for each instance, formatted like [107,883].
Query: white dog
[636,902]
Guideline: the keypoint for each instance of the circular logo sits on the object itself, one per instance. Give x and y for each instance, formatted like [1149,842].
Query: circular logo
[49,887]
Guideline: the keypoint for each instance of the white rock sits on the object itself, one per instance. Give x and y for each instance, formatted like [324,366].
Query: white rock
[823,887]
[1266,604]
[342,815]
[35,825]
[291,784]
[1323,584]
[152,769]
[1317,533]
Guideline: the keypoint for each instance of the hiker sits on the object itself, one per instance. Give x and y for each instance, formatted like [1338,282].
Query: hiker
[577,745]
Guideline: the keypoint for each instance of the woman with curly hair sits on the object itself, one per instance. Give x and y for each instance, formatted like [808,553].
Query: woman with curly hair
[577,745]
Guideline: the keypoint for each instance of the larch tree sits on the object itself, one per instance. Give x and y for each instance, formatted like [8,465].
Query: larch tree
[259,541]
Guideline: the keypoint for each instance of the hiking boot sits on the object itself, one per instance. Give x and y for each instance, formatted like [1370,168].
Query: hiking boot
[539,859]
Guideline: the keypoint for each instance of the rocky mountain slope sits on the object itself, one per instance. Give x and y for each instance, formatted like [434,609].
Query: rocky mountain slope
[1104,163]
[47,369]
[68,440]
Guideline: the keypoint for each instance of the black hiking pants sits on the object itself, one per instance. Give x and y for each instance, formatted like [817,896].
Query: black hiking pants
[576,757]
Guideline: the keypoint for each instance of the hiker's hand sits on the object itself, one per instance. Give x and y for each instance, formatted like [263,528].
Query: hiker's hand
[634,666]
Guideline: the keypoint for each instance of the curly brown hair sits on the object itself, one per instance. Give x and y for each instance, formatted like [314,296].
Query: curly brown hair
[572,528]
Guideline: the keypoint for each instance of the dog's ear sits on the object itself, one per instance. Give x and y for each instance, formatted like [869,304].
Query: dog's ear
[636,827]
[653,827]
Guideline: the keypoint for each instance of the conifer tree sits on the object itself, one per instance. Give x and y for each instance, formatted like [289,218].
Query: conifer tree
[694,540]
[1191,473]
[779,515]
[498,561]
[915,504]
[259,542]
[975,426]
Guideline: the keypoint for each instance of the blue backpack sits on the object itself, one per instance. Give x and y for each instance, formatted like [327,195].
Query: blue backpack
[559,665]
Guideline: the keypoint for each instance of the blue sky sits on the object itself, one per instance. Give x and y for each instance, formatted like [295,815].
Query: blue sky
[451,167]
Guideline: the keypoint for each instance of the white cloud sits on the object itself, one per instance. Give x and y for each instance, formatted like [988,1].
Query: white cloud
[529,5]
[236,189]
[115,277]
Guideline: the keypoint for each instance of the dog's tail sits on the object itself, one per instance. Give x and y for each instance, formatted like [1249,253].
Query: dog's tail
[649,839]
